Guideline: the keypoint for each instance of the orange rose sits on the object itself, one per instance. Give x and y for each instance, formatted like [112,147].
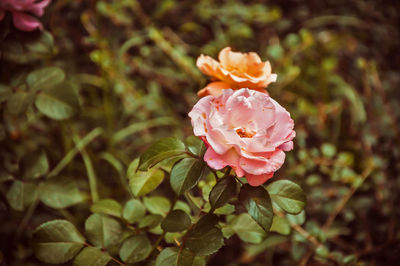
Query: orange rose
[235,70]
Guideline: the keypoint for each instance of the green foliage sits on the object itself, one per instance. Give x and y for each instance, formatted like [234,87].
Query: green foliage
[287,195]
[20,195]
[133,211]
[58,102]
[102,230]
[44,78]
[107,206]
[204,238]
[60,193]
[176,257]
[57,241]
[186,174]
[35,165]
[157,205]
[258,204]
[195,145]
[247,228]
[135,249]
[141,183]
[161,150]
[91,256]
[222,192]
[176,221]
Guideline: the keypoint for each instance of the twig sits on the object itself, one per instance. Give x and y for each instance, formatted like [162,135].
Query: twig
[72,153]
[240,181]
[27,217]
[315,242]
[117,261]
[158,38]
[90,172]
[306,258]
[341,204]
[301,231]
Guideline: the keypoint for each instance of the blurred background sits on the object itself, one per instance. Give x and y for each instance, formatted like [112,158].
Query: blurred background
[131,68]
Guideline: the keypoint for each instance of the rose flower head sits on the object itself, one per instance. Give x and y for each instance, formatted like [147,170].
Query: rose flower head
[18,9]
[235,70]
[244,129]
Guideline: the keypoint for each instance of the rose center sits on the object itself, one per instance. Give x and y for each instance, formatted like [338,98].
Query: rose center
[244,134]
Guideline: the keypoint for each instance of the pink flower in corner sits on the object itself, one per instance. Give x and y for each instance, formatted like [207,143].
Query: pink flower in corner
[246,130]
[23,21]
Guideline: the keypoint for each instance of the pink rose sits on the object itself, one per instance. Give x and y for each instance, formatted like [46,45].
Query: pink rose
[246,130]
[23,21]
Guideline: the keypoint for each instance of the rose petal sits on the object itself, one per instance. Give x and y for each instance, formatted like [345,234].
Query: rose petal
[258,180]
[219,161]
[207,65]
[288,146]
[2,14]
[238,69]
[214,89]
[262,163]
[25,22]
[38,8]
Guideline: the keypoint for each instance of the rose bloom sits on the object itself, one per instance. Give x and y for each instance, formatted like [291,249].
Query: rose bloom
[21,20]
[235,70]
[246,130]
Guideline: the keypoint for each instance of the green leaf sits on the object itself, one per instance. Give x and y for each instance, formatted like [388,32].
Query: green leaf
[162,149]
[225,210]
[247,229]
[4,176]
[280,225]
[43,46]
[176,221]
[328,150]
[102,230]
[59,102]
[168,164]
[132,168]
[19,102]
[222,192]
[258,204]
[107,206]
[270,242]
[45,78]
[35,165]
[60,193]
[287,195]
[195,145]
[177,257]
[91,256]
[57,241]
[157,205]
[150,221]
[186,174]
[183,206]
[133,211]
[204,238]
[142,183]
[135,249]
[296,218]
[5,93]
[21,195]
[322,251]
